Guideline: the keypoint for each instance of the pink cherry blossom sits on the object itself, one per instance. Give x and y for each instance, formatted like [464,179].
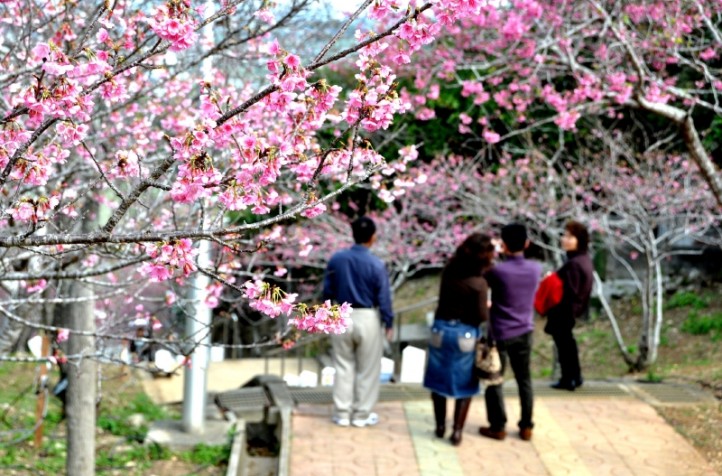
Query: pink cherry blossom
[62,335]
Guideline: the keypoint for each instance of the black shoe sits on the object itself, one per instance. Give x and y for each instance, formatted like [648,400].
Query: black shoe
[461,409]
[440,431]
[564,386]
[578,383]
[455,437]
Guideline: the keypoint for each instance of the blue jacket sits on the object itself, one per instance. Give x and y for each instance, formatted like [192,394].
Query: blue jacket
[358,277]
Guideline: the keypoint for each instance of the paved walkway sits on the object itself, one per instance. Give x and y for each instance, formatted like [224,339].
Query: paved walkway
[619,435]
[605,428]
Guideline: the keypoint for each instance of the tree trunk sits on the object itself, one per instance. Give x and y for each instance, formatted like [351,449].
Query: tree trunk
[82,384]
[81,397]
[692,141]
[613,320]
[10,332]
[646,337]
[659,312]
[14,334]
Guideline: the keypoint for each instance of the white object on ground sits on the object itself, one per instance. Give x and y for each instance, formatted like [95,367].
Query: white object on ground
[413,361]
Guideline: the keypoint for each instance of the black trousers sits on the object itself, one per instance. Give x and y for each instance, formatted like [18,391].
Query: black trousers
[517,351]
[568,354]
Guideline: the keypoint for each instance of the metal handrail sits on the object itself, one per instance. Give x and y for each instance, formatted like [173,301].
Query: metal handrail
[397,344]
[283,353]
[423,303]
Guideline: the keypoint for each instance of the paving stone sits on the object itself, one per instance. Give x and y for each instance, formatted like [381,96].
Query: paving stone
[600,436]
[605,428]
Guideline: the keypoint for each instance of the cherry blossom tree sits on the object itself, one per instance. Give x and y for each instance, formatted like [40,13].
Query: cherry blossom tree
[647,208]
[643,200]
[537,78]
[421,221]
[644,207]
[531,65]
[128,136]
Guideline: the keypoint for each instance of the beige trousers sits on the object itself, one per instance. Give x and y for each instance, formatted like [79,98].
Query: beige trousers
[357,358]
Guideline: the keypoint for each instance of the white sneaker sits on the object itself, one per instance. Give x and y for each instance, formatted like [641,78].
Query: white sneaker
[341,421]
[372,419]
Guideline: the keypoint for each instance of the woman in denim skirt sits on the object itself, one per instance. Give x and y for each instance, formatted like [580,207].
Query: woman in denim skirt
[463,306]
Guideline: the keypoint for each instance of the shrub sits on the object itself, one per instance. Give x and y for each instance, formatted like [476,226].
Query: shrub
[208,455]
[138,455]
[653,377]
[117,423]
[703,324]
[686,299]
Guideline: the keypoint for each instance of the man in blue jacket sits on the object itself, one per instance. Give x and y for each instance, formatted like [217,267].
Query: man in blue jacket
[358,277]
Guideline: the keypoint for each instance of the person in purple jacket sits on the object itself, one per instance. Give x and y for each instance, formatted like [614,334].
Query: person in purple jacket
[513,283]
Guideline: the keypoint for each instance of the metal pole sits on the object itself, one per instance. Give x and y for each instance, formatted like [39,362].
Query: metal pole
[42,386]
[198,327]
[397,357]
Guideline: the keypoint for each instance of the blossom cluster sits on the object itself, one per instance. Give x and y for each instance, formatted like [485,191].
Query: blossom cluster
[196,173]
[174,22]
[285,69]
[325,318]
[63,98]
[34,285]
[268,299]
[126,165]
[374,101]
[34,209]
[169,257]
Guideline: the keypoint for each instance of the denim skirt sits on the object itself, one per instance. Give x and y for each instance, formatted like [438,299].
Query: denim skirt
[450,359]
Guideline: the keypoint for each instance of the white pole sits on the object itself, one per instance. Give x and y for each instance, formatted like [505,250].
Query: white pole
[198,328]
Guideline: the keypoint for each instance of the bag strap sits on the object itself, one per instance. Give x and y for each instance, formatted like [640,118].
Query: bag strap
[489,334]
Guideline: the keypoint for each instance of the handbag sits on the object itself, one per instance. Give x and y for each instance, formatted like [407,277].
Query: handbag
[549,294]
[488,363]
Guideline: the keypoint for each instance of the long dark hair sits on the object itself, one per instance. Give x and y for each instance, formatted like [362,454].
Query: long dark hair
[473,256]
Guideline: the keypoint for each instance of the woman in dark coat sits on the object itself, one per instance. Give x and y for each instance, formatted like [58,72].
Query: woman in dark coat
[463,306]
[577,277]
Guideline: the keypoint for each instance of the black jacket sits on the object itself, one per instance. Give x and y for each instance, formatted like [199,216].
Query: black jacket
[464,298]
[577,276]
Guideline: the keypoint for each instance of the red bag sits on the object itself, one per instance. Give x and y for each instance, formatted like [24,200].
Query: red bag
[549,294]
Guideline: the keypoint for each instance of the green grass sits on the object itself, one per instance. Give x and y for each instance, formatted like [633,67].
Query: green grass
[664,335]
[686,299]
[18,401]
[653,376]
[546,372]
[121,401]
[116,422]
[49,460]
[593,335]
[704,324]
[140,456]
[412,293]
[207,455]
